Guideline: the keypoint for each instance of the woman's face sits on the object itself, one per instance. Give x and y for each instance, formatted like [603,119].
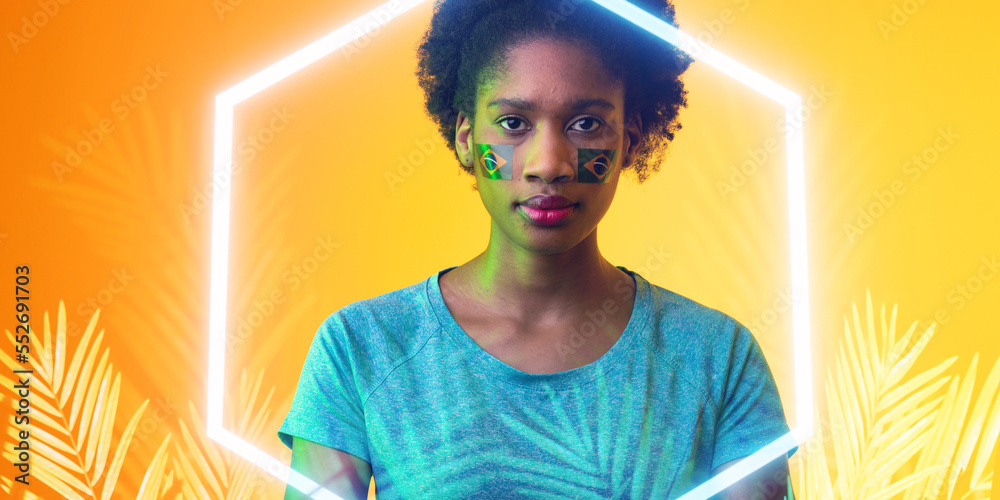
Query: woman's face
[550,99]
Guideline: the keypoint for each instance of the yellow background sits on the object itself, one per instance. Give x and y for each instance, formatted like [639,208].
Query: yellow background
[354,161]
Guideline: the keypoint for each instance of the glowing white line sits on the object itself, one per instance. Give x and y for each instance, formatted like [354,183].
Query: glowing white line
[219,265]
[315,51]
[274,466]
[699,50]
[741,469]
[795,145]
[225,103]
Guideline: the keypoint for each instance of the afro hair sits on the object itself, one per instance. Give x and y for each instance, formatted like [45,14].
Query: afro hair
[467,39]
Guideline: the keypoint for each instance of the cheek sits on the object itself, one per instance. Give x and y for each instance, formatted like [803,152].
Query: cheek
[493,194]
[493,161]
[601,198]
[597,166]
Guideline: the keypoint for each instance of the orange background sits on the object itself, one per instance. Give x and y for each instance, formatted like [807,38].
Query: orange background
[354,161]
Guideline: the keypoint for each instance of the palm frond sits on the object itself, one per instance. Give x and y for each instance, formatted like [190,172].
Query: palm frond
[813,470]
[882,419]
[73,412]
[935,448]
[985,436]
[119,457]
[150,486]
[207,471]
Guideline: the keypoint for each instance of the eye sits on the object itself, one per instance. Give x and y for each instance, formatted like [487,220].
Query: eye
[512,123]
[587,124]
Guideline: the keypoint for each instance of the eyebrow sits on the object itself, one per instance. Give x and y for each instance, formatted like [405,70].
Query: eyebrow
[578,105]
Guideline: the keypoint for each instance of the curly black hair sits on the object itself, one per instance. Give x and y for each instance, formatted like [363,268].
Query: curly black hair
[467,40]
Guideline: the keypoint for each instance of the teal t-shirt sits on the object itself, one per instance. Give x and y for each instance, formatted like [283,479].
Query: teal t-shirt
[395,381]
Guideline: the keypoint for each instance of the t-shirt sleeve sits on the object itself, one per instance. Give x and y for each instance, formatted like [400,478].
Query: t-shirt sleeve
[327,407]
[749,412]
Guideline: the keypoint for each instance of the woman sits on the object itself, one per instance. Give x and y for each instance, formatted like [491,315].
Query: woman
[538,369]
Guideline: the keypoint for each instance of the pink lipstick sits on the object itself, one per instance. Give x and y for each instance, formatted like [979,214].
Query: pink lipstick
[545,210]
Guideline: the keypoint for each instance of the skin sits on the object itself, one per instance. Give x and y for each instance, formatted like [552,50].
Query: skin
[770,482]
[533,282]
[339,472]
[519,297]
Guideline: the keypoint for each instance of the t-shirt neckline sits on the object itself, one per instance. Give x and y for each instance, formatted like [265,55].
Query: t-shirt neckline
[489,366]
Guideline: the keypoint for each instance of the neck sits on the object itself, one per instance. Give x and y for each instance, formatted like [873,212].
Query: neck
[536,286]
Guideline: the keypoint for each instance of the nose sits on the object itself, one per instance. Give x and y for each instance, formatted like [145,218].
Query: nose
[550,157]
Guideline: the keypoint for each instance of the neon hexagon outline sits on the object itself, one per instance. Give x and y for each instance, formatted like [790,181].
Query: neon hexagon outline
[374,20]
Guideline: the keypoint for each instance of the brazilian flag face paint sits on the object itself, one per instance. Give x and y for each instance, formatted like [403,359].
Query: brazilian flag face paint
[495,161]
[595,165]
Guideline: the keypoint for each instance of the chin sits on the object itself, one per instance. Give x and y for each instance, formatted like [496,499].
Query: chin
[550,245]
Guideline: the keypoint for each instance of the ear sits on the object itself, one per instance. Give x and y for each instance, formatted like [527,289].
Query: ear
[632,139]
[463,139]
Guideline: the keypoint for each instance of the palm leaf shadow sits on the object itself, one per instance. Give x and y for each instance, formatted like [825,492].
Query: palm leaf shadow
[137,190]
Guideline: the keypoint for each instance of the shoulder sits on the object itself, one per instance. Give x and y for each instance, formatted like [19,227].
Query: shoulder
[375,335]
[705,346]
[391,312]
[680,322]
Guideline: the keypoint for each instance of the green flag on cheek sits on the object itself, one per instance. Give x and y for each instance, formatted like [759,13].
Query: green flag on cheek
[595,165]
[495,161]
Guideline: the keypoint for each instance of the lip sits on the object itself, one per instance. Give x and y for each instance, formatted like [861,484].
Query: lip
[547,202]
[545,210]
